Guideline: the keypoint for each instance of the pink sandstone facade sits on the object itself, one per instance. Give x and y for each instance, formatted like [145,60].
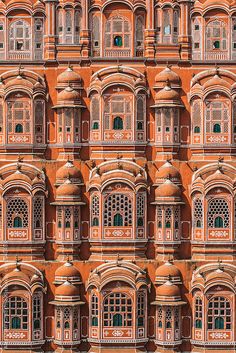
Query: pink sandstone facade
[117,176]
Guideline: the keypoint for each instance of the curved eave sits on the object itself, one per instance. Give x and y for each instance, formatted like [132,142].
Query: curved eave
[65,303]
[169,303]
[59,106]
[68,203]
[167,104]
[162,201]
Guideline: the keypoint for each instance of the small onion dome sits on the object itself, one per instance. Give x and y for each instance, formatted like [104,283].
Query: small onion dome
[16,274]
[167,74]
[67,289]
[168,189]
[168,289]
[166,271]
[67,272]
[68,96]
[68,190]
[168,97]
[167,170]
[68,76]
[35,278]
[68,170]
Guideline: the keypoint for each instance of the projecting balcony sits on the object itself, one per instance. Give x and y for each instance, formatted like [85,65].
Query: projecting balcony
[216,55]
[111,53]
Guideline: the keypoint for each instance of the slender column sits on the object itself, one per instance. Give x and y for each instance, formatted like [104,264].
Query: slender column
[150,31]
[50,30]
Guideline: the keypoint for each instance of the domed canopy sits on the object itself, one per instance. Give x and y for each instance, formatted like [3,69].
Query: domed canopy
[69,76]
[167,97]
[168,271]
[167,170]
[67,289]
[68,191]
[69,97]
[68,171]
[168,294]
[168,189]
[67,272]
[16,274]
[167,75]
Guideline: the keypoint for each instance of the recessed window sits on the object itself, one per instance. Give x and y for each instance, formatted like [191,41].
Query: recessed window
[17,222]
[196,27]
[38,45]
[118,123]
[19,129]
[167,29]
[234,45]
[95,126]
[1,27]
[60,29]
[196,45]
[197,130]
[118,41]
[216,44]
[234,27]
[140,125]
[1,45]
[216,128]
[167,129]
[68,129]
[96,43]
[19,45]
[38,28]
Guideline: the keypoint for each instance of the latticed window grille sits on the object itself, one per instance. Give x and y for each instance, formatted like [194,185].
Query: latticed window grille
[117,33]
[95,112]
[59,216]
[58,317]
[76,217]
[177,217]
[15,314]
[159,316]
[197,38]
[216,35]
[18,115]
[218,211]
[1,117]
[159,216]
[196,116]
[95,210]
[219,315]
[141,205]
[177,317]
[96,28]
[66,317]
[198,312]
[168,317]
[141,309]
[139,32]
[198,213]
[69,23]
[17,207]
[217,117]
[39,120]
[68,217]
[38,205]
[117,106]
[38,38]
[19,36]
[2,40]
[37,319]
[94,310]
[0,214]
[140,112]
[118,204]
[117,310]
[168,217]
[75,318]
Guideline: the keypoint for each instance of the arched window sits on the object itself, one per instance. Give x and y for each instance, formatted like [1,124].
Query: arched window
[117,310]
[216,35]
[69,25]
[16,314]
[117,320]
[96,35]
[67,224]
[118,210]
[17,223]
[17,213]
[216,128]
[118,123]
[168,318]
[18,128]
[197,212]
[218,214]
[117,36]
[219,223]
[95,212]
[168,217]
[141,306]
[95,112]
[95,126]
[197,130]
[219,314]
[139,35]
[118,220]
[20,35]
[198,312]
[67,325]
[94,310]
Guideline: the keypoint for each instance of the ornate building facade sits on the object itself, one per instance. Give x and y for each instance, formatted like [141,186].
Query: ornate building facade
[117,176]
